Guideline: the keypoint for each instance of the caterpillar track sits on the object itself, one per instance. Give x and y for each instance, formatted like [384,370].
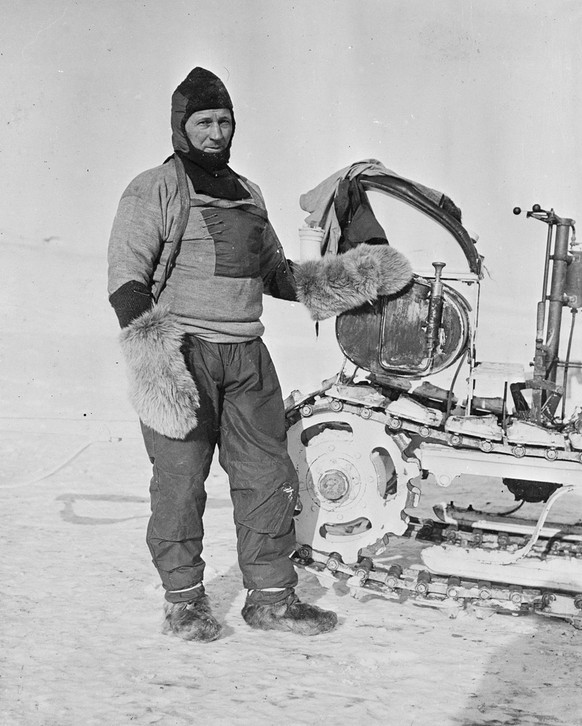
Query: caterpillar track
[450,594]
[361,478]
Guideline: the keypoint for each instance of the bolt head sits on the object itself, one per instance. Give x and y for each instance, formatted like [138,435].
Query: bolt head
[333,485]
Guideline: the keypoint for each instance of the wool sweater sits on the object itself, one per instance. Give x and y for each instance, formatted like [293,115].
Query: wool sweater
[229,255]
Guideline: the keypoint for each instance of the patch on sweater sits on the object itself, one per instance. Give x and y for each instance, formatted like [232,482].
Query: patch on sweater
[238,241]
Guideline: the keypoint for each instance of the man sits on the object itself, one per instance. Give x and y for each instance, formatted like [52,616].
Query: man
[191,253]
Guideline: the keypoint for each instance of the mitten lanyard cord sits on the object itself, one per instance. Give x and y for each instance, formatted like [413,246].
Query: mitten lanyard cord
[180,225]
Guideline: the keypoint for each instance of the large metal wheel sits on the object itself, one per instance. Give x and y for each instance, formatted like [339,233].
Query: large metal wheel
[352,482]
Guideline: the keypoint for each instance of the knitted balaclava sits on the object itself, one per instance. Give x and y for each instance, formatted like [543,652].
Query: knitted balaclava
[201,90]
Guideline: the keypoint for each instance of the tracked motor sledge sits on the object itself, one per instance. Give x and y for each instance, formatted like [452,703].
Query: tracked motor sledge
[413,408]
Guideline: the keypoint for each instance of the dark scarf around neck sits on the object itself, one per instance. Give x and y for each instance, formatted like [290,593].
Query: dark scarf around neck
[211,176]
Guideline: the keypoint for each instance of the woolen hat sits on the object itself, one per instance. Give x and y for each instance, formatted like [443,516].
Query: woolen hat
[203,90]
[199,91]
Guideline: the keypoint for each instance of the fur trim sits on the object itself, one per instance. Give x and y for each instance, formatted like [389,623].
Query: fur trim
[287,614]
[161,389]
[191,621]
[337,283]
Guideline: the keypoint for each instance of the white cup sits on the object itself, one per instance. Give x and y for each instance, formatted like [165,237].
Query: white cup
[310,240]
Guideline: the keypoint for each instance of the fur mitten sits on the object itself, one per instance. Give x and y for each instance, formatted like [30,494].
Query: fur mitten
[338,283]
[161,389]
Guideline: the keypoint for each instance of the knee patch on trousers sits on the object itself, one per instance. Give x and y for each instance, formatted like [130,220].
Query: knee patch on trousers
[266,512]
[177,510]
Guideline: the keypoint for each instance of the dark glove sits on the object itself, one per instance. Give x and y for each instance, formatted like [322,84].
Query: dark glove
[130,300]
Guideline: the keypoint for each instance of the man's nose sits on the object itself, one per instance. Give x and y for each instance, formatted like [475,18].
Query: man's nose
[215,131]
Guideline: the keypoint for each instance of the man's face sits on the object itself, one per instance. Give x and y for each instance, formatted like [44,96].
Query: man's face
[210,131]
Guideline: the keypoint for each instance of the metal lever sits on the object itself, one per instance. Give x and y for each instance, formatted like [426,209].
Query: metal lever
[435,311]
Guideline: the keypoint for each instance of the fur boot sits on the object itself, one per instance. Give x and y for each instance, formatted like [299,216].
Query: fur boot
[284,611]
[338,283]
[191,620]
[161,389]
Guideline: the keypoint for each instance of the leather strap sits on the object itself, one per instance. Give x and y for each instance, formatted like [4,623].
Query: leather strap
[180,225]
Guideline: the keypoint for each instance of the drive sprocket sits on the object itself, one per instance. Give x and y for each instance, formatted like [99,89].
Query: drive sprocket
[352,478]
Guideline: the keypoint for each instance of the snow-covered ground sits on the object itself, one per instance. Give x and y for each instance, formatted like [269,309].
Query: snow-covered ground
[80,607]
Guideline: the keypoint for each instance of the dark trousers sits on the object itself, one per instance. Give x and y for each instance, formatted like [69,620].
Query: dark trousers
[241,411]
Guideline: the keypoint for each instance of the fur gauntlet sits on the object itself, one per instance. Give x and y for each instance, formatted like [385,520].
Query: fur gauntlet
[338,283]
[161,389]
